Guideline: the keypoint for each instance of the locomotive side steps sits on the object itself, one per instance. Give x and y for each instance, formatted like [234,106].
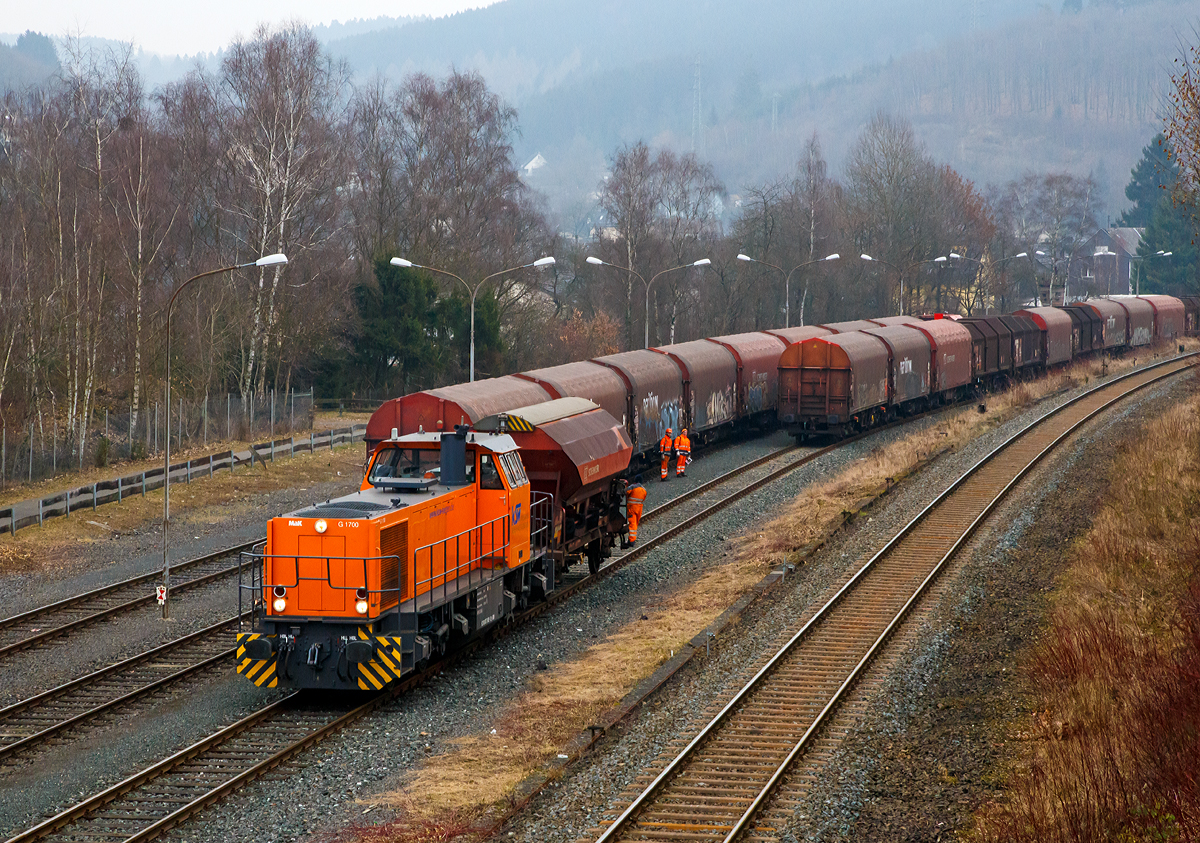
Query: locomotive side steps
[722,784]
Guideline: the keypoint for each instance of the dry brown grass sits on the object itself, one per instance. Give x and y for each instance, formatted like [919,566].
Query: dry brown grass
[203,501]
[1117,737]
[461,792]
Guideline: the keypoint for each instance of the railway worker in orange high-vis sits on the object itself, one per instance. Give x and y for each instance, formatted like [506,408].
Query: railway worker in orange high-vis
[683,452]
[635,499]
[664,445]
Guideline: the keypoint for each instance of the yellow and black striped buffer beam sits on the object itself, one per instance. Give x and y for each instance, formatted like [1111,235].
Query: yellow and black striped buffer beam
[385,667]
[259,671]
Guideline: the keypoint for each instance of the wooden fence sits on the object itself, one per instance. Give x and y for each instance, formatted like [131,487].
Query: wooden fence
[33,512]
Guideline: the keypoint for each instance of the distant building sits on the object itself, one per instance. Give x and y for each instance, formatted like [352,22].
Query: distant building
[535,163]
[1106,262]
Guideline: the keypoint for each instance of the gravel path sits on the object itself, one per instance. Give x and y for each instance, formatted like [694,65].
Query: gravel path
[332,786]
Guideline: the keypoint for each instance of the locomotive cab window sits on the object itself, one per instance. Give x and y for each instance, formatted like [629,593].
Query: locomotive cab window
[514,469]
[489,472]
[405,462]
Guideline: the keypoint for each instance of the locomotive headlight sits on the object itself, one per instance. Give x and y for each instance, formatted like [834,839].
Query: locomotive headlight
[280,602]
[321,525]
[361,606]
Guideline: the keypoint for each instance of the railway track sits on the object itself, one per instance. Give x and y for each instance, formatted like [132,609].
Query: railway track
[722,783]
[30,723]
[168,793]
[37,626]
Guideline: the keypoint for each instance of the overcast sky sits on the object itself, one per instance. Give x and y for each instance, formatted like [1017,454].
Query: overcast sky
[193,27]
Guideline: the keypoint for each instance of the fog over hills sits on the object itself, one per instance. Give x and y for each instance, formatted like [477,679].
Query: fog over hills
[993,89]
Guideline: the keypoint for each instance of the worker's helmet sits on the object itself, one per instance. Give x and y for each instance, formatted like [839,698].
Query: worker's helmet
[683,432]
[669,430]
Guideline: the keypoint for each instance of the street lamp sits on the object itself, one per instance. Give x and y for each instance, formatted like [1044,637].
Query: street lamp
[401,262]
[787,281]
[701,262]
[1159,254]
[267,260]
[597,262]
[1054,262]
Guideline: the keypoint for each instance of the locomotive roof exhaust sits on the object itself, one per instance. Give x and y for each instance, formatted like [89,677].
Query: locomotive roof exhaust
[454,456]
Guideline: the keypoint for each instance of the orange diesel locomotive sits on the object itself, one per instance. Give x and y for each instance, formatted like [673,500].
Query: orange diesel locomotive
[446,537]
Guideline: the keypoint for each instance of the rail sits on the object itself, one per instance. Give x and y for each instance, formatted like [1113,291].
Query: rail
[703,803]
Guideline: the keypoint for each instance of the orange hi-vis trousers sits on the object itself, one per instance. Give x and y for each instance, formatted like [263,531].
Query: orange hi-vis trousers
[634,513]
[681,463]
[666,464]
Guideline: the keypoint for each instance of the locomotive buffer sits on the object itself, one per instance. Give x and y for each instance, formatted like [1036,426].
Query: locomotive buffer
[449,534]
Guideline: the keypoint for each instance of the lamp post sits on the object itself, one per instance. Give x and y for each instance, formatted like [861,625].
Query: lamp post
[787,281]
[267,260]
[1159,254]
[628,304]
[401,262]
[1054,262]
[598,262]
[900,271]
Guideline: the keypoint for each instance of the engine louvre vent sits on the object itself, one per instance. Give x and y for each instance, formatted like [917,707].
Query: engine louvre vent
[393,547]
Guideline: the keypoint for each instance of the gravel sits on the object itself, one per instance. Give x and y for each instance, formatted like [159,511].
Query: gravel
[334,785]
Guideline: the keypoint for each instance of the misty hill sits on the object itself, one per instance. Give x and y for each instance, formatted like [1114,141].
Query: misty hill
[526,47]
[992,89]
[27,59]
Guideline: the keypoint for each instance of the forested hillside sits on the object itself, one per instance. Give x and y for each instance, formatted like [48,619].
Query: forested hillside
[991,89]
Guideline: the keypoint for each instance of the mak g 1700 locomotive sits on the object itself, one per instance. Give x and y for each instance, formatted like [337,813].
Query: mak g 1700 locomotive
[449,534]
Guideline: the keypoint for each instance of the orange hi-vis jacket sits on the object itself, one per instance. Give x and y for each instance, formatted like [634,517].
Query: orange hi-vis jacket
[683,445]
[635,498]
[664,445]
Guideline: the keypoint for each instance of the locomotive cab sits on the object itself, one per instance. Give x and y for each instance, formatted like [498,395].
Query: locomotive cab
[443,539]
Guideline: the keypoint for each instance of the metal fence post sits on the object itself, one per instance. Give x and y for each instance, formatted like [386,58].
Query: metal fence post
[143,484]
[118,490]
[39,512]
[210,468]
[67,513]
[206,420]
[93,497]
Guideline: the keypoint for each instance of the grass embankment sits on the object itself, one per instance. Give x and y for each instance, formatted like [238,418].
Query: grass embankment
[1114,750]
[203,502]
[461,793]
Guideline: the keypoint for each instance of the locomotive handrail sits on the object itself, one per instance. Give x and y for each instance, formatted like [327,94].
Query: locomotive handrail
[259,587]
[474,551]
[541,520]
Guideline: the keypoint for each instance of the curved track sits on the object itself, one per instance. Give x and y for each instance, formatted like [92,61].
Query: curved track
[717,786]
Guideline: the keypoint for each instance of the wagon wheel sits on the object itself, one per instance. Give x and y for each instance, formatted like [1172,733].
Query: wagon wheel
[595,555]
